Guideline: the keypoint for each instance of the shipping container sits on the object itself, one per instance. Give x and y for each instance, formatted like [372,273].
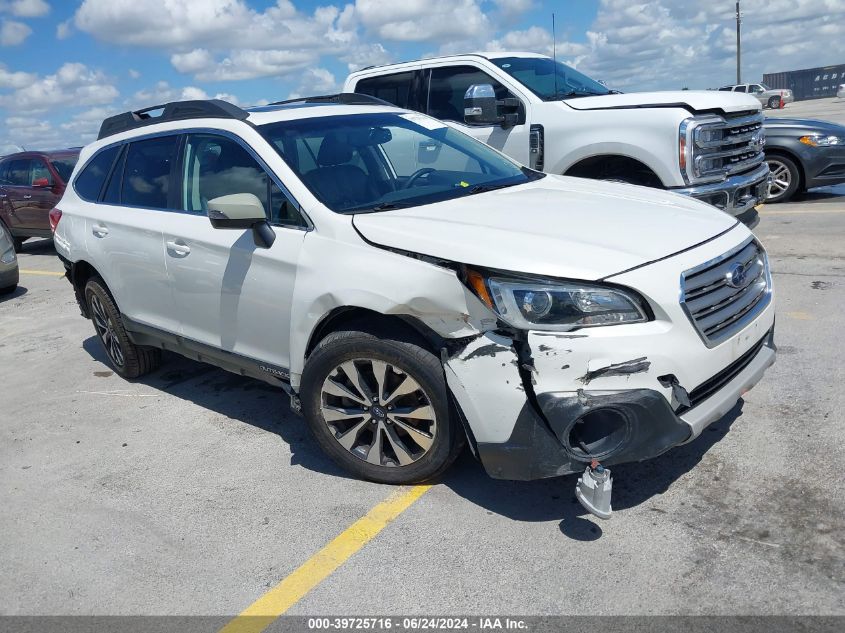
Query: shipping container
[810,83]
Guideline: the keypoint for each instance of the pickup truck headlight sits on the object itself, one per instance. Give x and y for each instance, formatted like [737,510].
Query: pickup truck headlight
[539,304]
[819,140]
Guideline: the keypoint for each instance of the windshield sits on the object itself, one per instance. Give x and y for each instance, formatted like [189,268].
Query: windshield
[548,79]
[376,162]
[64,166]
[765,87]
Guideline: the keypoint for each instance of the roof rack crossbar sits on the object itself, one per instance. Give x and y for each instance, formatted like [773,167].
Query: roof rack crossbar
[345,98]
[173,111]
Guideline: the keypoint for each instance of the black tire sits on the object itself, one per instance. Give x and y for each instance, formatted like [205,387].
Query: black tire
[127,359]
[18,243]
[774,103]
[408,357]
[788,178]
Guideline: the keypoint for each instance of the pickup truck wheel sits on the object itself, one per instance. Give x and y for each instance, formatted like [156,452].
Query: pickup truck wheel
[774,103]
[379,407]
[785,178]
[127,359]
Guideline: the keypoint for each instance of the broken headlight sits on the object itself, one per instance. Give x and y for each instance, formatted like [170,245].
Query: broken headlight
[533,304]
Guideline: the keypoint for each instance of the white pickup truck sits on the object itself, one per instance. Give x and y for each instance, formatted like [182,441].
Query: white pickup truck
[550,117]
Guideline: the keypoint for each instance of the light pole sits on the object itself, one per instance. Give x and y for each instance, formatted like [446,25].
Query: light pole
[738,45]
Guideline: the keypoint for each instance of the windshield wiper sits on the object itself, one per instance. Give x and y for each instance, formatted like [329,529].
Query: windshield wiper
[382,206]
[485,188]
[572,93]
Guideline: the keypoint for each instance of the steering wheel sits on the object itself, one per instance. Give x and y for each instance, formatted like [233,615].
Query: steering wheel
[425,171]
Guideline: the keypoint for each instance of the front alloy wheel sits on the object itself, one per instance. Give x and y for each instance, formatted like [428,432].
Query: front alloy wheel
[377,403]
[785,179]
[378,413]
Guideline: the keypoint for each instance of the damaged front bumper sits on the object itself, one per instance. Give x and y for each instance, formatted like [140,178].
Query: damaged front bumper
[558,432]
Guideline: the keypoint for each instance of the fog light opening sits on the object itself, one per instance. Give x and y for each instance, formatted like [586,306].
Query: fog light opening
[598,434]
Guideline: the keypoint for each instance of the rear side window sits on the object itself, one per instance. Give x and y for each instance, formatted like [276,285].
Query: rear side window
[395,89]
[739,89]
[726,88]
[146,175]
[90,180]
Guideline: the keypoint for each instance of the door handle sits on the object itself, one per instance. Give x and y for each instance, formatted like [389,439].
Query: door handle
[27,197]
[179,249]
[99,230]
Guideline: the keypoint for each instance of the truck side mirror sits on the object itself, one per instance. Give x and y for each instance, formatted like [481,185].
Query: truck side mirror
[482,108]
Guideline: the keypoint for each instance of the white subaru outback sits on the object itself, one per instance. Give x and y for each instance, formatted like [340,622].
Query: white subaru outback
[413,289]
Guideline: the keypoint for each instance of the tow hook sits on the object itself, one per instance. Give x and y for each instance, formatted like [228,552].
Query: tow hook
[593,490]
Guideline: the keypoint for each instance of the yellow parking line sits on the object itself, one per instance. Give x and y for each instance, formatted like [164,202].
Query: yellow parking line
[46,273]
[261,613]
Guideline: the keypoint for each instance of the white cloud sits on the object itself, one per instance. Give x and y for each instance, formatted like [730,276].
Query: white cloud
[133,74]
[13,33]
[423,20]
[196,60]
[244,64]
[162,92]
[15,79]
[161,22]
[315,82]
[64,29]
[72,83]
[25,8]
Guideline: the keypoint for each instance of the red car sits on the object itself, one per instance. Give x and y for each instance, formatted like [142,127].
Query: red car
[31,184]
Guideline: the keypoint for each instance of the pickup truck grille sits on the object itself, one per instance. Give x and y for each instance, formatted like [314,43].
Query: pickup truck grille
[728,146]
[723,296]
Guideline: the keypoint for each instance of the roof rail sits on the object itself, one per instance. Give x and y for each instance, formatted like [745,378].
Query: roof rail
[173,111]
[345,98]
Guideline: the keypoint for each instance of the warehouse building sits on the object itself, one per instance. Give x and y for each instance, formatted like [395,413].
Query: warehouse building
[810,83]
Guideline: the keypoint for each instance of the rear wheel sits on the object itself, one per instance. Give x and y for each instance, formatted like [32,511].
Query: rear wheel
[774,103]
[785,178]
[379,407]
[127,359]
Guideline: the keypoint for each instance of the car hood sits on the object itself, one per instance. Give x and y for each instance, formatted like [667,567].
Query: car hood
[555,226]
[695,100]
[776,124]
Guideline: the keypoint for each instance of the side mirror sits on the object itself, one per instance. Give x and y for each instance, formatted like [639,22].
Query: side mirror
[480,105]
[482,108]
[41,182]
[242,211]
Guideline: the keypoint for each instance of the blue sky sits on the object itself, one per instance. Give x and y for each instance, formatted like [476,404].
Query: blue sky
[65,64]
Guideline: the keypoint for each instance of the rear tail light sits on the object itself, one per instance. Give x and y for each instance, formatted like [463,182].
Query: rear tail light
[55,216]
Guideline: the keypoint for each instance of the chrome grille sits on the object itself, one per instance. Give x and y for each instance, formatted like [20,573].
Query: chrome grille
[723,296]
[727,146]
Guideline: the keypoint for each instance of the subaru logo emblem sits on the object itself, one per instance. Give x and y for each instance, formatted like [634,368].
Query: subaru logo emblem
[736,276]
